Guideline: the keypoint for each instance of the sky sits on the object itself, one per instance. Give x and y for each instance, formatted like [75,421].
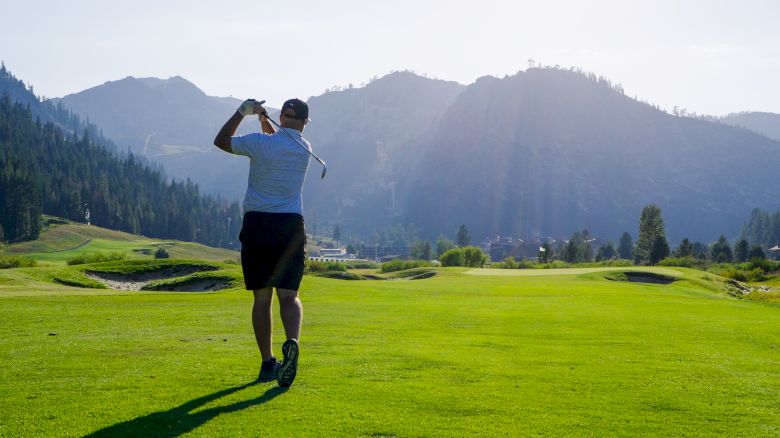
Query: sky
[709,57]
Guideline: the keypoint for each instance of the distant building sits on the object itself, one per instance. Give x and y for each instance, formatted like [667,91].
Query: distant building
[503,247]
[333,254]
[383,253]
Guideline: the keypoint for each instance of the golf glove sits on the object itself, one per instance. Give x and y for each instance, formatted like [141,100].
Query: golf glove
[251,106]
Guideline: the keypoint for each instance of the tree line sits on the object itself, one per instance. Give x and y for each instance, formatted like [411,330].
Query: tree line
[44,170]
[763,228]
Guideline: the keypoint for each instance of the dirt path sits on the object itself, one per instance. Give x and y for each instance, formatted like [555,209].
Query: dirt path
[86,242]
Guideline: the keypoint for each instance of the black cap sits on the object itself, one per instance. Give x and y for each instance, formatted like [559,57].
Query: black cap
[299,107]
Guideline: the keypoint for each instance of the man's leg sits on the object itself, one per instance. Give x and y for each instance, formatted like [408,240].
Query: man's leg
[291,311]
[261,321]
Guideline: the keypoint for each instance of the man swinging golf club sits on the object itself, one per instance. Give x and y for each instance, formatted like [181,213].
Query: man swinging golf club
[272,236]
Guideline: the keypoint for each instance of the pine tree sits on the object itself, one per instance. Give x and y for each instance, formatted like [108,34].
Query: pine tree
[720,251]
[741,251]
[443,245]
[545,253]
[651,228]
[659,251]
[463,238]
[757,253]
[685,249]
[626,247]
[337,233]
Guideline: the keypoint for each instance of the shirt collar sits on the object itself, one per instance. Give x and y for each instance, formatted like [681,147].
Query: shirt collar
[293,131]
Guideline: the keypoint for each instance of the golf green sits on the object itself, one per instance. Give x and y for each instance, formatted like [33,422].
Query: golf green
[458,354]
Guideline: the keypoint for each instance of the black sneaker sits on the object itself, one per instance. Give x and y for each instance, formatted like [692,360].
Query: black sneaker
[286,373]
[268,370]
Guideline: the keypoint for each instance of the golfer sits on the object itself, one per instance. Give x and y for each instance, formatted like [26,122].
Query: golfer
[272,236]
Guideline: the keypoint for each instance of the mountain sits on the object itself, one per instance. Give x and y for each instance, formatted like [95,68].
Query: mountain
[767,124]
[545,152]
[550,151]
[171,122]
[367,137]
[45,170]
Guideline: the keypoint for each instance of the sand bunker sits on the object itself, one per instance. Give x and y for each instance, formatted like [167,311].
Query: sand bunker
[640,277]
[649,277]
[138,281]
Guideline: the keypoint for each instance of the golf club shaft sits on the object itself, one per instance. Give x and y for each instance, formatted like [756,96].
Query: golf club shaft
[324,166]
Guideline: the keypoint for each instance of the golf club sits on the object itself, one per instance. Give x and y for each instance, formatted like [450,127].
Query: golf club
[324,166]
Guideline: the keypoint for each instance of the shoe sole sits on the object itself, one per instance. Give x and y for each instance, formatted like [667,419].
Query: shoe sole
[289,368]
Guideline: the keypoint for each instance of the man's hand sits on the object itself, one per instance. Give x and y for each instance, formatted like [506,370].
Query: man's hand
[251,106]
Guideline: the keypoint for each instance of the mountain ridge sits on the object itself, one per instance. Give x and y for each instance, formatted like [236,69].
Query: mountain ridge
[546,151]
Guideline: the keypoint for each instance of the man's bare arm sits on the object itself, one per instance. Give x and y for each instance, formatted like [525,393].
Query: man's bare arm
[265,125]
[222,140]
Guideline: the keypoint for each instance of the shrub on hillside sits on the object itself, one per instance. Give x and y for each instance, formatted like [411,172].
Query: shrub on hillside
[95,257]
[685,262]
[317,266]
[8,262]
[161,253]
[767,266]
[401,265]
[470,256]
[452,257]
[507,263]
[733,272]
[527,264]
[362,265]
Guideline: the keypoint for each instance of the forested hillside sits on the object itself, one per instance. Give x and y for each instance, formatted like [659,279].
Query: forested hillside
[170,122]
[548,151]
[367,136]
[49,110]
[44,170]
[763,228]
[763,123]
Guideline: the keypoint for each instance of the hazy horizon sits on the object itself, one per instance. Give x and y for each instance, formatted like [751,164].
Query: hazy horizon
[708,57]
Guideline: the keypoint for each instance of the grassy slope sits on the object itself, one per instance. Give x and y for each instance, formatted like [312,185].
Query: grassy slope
[453,355]
[59,242]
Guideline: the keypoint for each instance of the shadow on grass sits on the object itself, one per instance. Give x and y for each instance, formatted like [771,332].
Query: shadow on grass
[180,420]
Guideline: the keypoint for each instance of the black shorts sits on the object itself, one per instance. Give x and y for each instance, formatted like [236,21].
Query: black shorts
[273,250]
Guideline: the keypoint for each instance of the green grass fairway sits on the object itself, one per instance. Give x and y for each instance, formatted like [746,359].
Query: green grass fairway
[563,354]
[57,243]
[565,271]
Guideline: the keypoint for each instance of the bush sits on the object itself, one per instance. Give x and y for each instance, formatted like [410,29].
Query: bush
[96,257]
[7,262]
[452,257]
[470,256]
[767,266]
[317,266]
[402,265]
[161,253]
[685,262]
[362,265]
[527,264]
[735,273]
[507,263]
[728,271]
